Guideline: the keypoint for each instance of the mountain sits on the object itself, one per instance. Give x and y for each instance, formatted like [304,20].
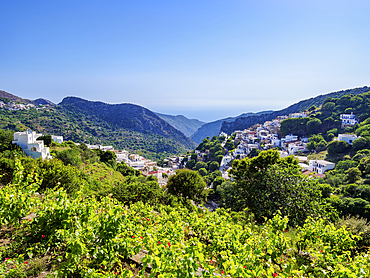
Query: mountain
[125,115]
[43,101]
[242,123]
[213,128]
[185,125]
[124,126]
[10,97]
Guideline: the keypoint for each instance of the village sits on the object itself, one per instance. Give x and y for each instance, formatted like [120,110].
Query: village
[13,106]
[258,137]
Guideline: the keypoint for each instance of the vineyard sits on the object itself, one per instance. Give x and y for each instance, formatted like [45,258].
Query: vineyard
[63,236]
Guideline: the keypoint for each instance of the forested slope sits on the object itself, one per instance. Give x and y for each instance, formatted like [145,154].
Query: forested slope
[125,126]
[245,122]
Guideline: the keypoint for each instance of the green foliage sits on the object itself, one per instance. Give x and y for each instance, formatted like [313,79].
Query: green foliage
[70,156]
[337,148]
[266,184]
[229,145]
[351,206]
[326,190]
[55,174]
[190,164]
[127,170]
[353,175]
[254,153]
[200,164]
[328,106]
[6,170]
[213,166]
[357,226]
[344,165]
[361,143]
[313,125]
[86,237]
[202,172]
[187,184]
[131,190]
[107,157]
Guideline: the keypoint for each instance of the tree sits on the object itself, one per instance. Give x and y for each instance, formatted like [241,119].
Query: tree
[353,175]
[6,138]
[229,145]
[202,172]
[360,144]
[190,164]
[194,156]
[337,147]
[200,164]
[254,153]
[219,158]
[187,184]
[312,108]
[329,106]
[311,146]
[313,125]
[268,183]
[213,166]
[55,173]
[126,170]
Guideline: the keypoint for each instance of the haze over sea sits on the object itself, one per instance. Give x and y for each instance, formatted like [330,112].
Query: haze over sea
[203,59]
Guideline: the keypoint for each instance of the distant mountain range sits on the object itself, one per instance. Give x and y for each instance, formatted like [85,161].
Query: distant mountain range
[132,127]
[185,125]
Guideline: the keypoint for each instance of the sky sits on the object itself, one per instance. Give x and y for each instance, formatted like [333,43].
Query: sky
[202,59]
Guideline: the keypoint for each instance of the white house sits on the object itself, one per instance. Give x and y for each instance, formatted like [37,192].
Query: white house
[58,139]
[239,150]
[225,160]
[289,138]
[348,119]
[349,138]
[295,148]
[320,166]
[27,140]
[122,156]
[263,134]
[298,115]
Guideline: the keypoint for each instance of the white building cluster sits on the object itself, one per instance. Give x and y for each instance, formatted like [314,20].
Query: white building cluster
[13,106]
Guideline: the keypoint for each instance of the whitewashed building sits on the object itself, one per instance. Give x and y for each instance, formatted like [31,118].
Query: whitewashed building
[58,139]
[27,140]
[298,115]
[320,166]
[348,119]
[349,138]
[289,138]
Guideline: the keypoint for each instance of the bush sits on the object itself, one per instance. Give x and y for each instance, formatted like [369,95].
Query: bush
[357,226]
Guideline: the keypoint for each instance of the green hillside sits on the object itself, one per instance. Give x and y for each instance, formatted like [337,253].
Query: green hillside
[125,126]
[245,122]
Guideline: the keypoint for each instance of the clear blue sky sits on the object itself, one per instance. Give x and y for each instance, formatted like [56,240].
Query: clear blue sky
[202,59]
